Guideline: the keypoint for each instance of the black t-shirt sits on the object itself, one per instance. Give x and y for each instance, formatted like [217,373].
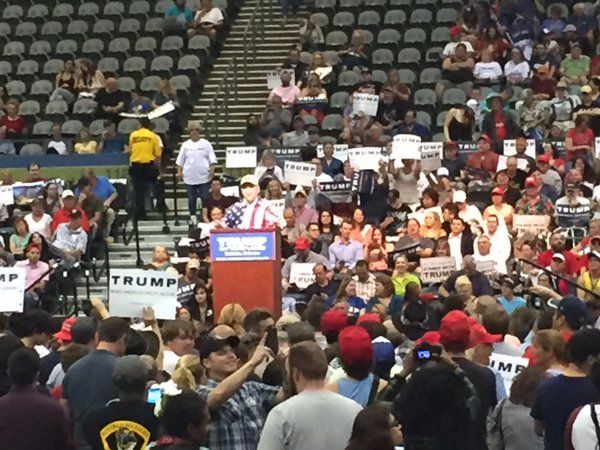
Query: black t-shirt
[391,112]
[308,152]
[400,216]
[518,181]
[104,98]
[316,289]
[555,400]
[224,202]
[9,343]
[129,425]
[454,166]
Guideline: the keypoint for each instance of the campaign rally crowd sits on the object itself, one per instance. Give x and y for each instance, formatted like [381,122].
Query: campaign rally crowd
[440,254]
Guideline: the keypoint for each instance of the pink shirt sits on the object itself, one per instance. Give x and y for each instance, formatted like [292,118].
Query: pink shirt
[306,216]
[289,95]
[33,272]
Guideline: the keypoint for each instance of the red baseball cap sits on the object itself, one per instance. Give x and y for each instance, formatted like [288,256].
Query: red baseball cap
[355,345]
[530,181]
[485,137]
[479,335]
[455,328]
[544,159]
[368,317]
[302,243]
[64,334]
[455,30]
[333,321]
[498,191]
[431,337]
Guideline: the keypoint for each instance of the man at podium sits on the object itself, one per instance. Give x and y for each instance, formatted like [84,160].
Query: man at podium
[252,211]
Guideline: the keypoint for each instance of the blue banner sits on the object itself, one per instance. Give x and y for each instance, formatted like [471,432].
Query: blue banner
[259,246]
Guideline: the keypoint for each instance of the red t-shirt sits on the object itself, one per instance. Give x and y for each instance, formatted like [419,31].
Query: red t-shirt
[14,126]
[500,127]
[585,138]
[543,87]
[64,216]
[545,258]
[595,66]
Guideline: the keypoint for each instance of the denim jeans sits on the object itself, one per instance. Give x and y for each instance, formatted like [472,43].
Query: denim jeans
[195,192]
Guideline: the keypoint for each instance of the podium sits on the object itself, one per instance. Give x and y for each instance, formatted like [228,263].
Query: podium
[246,268]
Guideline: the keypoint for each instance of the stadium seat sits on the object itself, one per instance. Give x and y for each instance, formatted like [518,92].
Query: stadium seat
[421,17]
[135,66]
[12,14]
[193,5]
[320,19]
[15,87]
[181,84]
[161,125]
[38,13]
[14,51]
[146,47]
[149,85]
[331,57]
[26,70]
[83,109]
[161,7]
[440,119]
[63,12]
[52,31]
[30,109]
[325,6]
[425,97]
[126,84]
[6,70]
[5,31]
[336,39]
[88,11]
[440,36]
[376,5]
[388,38]
[104,29]
[97,127]
[369,20]
[395,17]
[409,57]
[347,80]
[140,10]
[25,32]
[78,30]
[200,44]
[407,76]
[56,110]
[108,65]
[454,96]
[430,5]
[40,51]
[189,65]
[93,49]
[433,55]
[32,150]
[71,127]
[424,118]
[344,19]
[367,36]
[352,6]
[53,66]
[446,16]
[332,123]
[405,5]
[306,58]
[130,28]
[162,66]
[66,49]
[338,101]
[114,11]
[380,76]
[172,46]
[154,28]
[41,90]
[127,126]
[430,76]
[42,128]
[382,58]
[416,37]
[119,47]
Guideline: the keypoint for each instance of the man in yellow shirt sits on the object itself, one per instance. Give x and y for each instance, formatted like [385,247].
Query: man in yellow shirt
[145,151]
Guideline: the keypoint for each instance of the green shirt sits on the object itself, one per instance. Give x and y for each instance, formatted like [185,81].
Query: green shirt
[576,67]
[401,282]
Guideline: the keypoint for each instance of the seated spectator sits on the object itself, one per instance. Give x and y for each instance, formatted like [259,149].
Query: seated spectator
[161,259]
[533,115]
[498,124]
[298,137]
[302,254]
[293,62]
[311,35]
[459,125]
[18,240]
[562,106]
[275,118]
[361,231]
[521,149]
[288,92]
[541,57]
[313,99]
[93,207]
[90,79]
[488,72]
[400,90]
[484,158]
[331,165]
[51,199]
[457,70]
[58,144]
[432,226]
[267,169]
[390,111]
[319,67]
[165,94]
[292,230]
[516,70]
[579,141]
[304,214]
[66,84]
[34,173]
[251,135]
[533,201]
[493,42]
[71,239]
[355,55]
[178,16]
[15,125]
[345,252]
[413,240]
[208,21]
[7,147]
[111,142]
[138,104]
[572,210]
[111,101]
[542,84]
[63,214]
[37,220]
[456,35]
[575,68]
[554,25]
[85,144]
[215,199]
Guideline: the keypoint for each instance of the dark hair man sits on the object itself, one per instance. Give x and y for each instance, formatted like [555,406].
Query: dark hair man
[185,418]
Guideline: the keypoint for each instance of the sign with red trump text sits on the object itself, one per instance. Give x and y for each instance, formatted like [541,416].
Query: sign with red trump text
[12,286]
[132,290]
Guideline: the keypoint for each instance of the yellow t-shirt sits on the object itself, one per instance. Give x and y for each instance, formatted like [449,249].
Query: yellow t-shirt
[144,146]
[88,148]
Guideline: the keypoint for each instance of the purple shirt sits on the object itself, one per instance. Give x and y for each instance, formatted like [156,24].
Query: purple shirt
[306,216]
[33,272]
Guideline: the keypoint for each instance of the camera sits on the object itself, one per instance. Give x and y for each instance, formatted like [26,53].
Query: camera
[426,352]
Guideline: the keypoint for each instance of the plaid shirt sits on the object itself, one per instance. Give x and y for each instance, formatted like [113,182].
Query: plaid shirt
[365,289]
[237,424]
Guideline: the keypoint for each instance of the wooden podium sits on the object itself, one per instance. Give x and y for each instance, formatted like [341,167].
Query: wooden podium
[246,268]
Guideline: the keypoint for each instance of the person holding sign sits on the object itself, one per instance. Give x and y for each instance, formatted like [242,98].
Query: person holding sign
[252,211]
[302,254]
[331,166]
[268,169]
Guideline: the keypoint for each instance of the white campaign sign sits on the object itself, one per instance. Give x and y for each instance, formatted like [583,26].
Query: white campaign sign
[340,151]
[240,157]
[365,158]
[366,103]
[406,146]
[230,191]
[6,196]
[508,366]
[302,274]
[299,173]
[486,267]
[510,147]
[130,290]
[431,156]
[435,270]
[278,206]
[12,286]
[523,223]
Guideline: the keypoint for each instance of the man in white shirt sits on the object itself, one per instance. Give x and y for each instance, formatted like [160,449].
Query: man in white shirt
[196,166]
[70,239]
[466,212]
[298,137]
[314,418]
[456,35]
[487,71]
[499,238]
[455,238]
[484,254]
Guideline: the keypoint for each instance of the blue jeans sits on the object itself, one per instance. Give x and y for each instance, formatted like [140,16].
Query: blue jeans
[195,192]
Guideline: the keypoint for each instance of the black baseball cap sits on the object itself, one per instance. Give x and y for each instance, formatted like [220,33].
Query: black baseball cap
[573,309]
[213,344]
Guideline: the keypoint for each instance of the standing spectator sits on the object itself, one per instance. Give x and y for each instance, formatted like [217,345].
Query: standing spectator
[208,21]
[557,397]
[196,166]
[15,125]
[111,101]
[145,152]
[291,424]
[111,142]
[575,68]
[288,92]
[129,420]
[485,158]
[165,94]
[30,419]
[36,275]
[488,72]
[66,84]
[459,125]
[293,61]
[88,384]
[304,214]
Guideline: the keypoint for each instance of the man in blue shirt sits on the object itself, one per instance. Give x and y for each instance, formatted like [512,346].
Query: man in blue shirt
[508,300]
[411,126]
[345,253]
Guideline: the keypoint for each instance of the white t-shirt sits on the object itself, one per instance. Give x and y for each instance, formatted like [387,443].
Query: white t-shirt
[471,213]
[42,226]
[59,146]
[450,48]
[170,360]
[487,71]
[214,16]
[520,70]
[195,158]
[584,433]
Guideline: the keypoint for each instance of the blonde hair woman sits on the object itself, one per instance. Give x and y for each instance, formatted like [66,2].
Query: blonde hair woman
[432,226]
[189,373]
[233,315]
